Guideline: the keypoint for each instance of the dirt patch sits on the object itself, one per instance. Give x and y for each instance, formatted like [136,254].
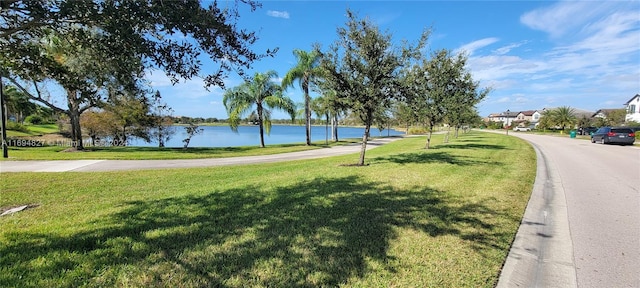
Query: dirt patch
[49,137]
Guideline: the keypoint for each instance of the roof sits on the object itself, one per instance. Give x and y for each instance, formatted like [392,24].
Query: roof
[505,114]
[529,112]
[634,97]
[606,111]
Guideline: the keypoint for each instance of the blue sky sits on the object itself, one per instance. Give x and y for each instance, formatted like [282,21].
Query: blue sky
[534,54]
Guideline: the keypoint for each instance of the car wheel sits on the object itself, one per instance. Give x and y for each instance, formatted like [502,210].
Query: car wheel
[593,140]
[602,140]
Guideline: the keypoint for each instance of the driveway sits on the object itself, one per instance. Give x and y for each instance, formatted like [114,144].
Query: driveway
[581,227]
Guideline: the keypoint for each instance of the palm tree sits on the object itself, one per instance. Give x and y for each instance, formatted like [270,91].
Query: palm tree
[263,94]
[330,106]
[305,71]
[564,116]
[320,105]
[18,103]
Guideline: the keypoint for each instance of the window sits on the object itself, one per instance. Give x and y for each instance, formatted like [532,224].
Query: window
[632,109]
[622,130]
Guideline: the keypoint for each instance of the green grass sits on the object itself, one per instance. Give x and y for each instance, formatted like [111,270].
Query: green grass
[155,153]
[34,130]
[442,217]
[43,129]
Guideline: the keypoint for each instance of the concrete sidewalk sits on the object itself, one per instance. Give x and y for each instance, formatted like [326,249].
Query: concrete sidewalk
[120,165]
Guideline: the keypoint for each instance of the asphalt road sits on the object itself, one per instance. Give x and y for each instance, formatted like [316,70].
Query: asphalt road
[581,227]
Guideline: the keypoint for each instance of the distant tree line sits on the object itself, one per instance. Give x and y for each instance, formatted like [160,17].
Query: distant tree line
[566,117]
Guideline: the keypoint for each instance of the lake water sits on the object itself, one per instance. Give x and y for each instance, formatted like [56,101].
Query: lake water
[222,136]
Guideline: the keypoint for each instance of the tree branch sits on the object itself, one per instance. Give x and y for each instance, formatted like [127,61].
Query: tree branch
[36,98]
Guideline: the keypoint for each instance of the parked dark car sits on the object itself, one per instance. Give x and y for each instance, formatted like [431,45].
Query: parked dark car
[619,135]
[587,130]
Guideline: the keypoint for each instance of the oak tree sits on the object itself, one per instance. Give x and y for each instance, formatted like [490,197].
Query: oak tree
[123,39]
[363,67]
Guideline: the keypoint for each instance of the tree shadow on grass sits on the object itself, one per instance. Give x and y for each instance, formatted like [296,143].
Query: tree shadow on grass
[181,150]
[319,232]
[429,156]
[471,146]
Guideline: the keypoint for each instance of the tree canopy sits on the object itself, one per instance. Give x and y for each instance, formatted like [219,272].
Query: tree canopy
[87,45]
[363,67]
[440,89]
[157,32]
[561,117]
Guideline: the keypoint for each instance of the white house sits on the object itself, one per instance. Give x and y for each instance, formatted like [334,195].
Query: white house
[605,113]
[633,109]
[507,117]
[533,116]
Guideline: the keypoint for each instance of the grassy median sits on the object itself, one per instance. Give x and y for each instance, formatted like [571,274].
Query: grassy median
[412,218]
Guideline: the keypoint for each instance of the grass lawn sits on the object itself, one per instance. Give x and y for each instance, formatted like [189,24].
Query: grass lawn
[43,129]
[443,217]
[34,130]
[155,153]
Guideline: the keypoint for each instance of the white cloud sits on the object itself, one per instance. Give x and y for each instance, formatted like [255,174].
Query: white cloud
[506,49]
[470,48]
[278,14]
[594,54]
[521,100]
[572,17]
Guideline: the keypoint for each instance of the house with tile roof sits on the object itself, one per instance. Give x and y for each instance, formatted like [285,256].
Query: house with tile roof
[531,116]
[506,117]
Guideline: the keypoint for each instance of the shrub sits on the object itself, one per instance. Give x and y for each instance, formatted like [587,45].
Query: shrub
[35,119]
[417,130]
[15,126]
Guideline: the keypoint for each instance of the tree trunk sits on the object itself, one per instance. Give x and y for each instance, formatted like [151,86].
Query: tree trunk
[261,127]
[446,136]
[76,131]
[363,148]
[334,123]
[160,136]
[429,137]
[365,137]
[74,118]
[326,130]
[124,134]
[307,112]
[3,123]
